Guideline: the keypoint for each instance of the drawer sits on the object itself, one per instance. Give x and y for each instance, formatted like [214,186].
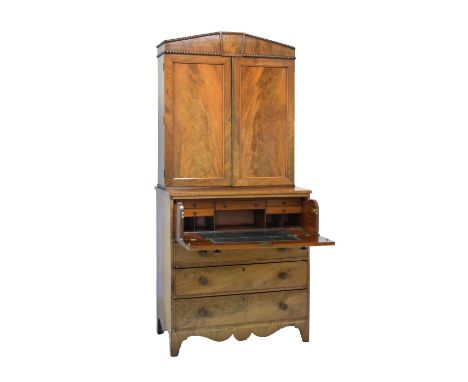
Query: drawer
[197,203]
[284,202]
[198,212]
[240,278]
[184,258]
[227,205]
[240,309]
[284,210]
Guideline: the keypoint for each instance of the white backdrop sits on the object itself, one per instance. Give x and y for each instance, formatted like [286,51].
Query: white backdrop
[381,121]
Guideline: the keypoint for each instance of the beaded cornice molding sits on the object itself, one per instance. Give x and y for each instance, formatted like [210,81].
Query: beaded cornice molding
[222,52]
[225,54]
[224,33]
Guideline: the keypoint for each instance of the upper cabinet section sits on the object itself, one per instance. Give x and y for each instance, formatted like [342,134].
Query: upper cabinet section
[227,44]
[226,111]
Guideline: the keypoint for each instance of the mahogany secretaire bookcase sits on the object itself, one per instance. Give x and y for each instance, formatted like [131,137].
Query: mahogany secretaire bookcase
[233,231]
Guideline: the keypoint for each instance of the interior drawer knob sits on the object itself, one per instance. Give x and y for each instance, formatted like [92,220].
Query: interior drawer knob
[203,253]
[283,275]
[203,281]
[203,312]
[283,305]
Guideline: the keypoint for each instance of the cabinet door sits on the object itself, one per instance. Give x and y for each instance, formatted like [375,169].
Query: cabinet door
[197,120]
[263,122]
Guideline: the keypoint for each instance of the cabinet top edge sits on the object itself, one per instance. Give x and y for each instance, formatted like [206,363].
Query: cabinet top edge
[238,192]
[220,34]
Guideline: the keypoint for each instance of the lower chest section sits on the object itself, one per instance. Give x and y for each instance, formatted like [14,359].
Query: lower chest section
[216,289]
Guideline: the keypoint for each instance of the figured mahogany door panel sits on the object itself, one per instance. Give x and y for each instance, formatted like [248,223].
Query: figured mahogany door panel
[263,122]
[198,120]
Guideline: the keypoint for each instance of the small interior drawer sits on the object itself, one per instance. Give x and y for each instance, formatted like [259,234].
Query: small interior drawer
[189,212]
[225,205]
[197,203]
[284,202]
[284,209]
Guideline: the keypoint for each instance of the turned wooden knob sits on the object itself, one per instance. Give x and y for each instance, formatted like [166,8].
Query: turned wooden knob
[203,253]
[283,306]
[283,275]
[203,312]
[203,281]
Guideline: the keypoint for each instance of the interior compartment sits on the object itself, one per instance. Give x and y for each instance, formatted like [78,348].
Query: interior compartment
[282,220]
[198,223]
[241,219]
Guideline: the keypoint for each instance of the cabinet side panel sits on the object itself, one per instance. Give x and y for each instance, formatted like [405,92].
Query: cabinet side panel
[164,263]
[161,133]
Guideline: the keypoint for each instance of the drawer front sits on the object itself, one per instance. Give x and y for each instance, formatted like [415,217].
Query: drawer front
[184,258]
[240,278]
[197,203]
[240,309]
[189,212]
[227,205]
[284,202]
[284,210]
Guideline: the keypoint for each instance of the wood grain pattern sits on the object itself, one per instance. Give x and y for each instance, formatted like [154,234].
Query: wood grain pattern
[263,122]
[232,44]
[184,258]
[198,113]
[235,279]
[240,332]
[253,45]
[239,309]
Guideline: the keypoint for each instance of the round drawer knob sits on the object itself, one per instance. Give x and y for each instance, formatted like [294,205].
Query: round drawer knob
[203,312]
[283,275]
[203,253]
[203,281]
[194,205]
[283,306]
